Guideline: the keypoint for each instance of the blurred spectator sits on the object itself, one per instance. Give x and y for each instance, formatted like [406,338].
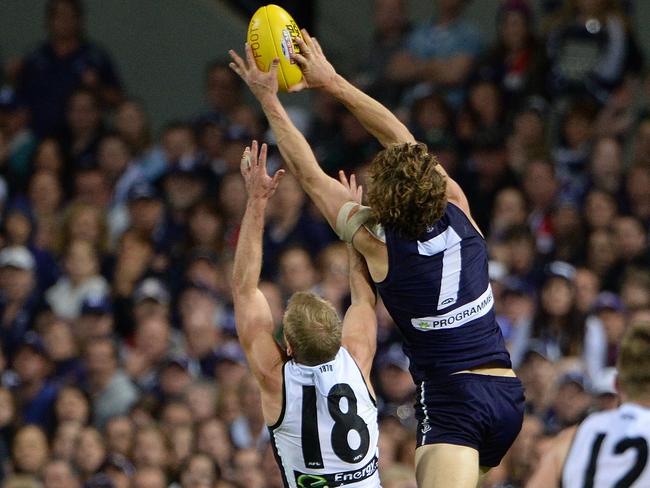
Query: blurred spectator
[516,60]
[65,62]
[111,390]
[20,141]
[557,322]
[19,298]
[90,453]
[223,93]
[80,280]
[391,30]
[442,53]
[590,49]
[35,393]
[604,331]
[119,432]
[81,135]
[149,478]
[30,450]
[59,474]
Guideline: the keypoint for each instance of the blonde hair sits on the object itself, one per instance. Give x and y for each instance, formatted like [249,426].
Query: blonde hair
[312,328]
[634,361]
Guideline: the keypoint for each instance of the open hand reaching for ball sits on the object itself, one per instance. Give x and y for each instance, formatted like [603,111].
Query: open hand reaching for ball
[259,185]
[261,83]
[317,71]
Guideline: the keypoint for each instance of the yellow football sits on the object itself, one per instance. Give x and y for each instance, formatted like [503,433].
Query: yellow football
[271,35]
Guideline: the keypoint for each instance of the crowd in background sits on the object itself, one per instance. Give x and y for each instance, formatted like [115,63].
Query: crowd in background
[119,364]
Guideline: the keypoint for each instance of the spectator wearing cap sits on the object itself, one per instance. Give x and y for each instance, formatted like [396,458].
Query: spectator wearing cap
[231,367]
[151,299]
[112,391]
[147,215]
[35,394]
[20,228]
[538,374]
[65,62]
[442,52]
[96,319]
[81,279]
[184,184]
[14,118]
[515,320]
[604,330]
[395,386]
[174,377]
[19,299]
[572,401]
[557,322]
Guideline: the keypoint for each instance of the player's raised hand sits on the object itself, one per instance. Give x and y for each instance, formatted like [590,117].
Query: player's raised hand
[259,185]
[317,71]
[261,83]
[355,191]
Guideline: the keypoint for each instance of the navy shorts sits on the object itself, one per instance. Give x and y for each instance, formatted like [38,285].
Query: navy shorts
[479,411]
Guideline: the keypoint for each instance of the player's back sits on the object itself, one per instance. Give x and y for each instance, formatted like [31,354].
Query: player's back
[327,433]
[438,292]
[610,449]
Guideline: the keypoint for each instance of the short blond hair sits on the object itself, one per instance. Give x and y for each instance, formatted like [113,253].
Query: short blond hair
[312,328]
[634,361]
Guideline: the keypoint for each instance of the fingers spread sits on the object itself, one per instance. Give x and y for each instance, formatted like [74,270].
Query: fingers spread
[241,64]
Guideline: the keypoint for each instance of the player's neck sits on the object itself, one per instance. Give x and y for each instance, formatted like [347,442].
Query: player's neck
[643,401]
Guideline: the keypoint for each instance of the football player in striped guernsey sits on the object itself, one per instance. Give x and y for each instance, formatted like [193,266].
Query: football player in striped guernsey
[428,260]
[610,448]
[316,395]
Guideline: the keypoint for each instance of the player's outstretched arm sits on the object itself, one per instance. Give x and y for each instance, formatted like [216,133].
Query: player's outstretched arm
[319,73]
[327,193]
[360,323]
[252,313]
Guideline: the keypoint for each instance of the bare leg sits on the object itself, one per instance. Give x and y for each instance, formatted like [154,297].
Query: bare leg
[446,466]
